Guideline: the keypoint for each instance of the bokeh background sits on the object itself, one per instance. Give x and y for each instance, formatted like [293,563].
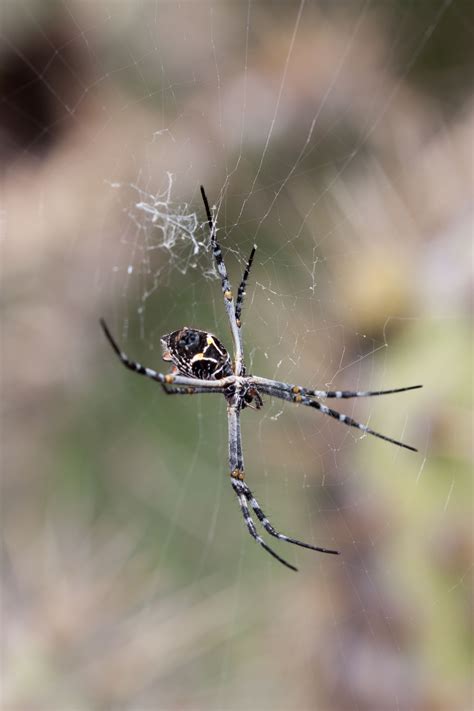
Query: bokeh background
[338,137]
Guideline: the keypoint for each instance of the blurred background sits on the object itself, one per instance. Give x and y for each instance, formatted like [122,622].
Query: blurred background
[338,138]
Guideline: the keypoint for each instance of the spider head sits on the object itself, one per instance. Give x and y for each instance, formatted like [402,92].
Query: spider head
[197,354]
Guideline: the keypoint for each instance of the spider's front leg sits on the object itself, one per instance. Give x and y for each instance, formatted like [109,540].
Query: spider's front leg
[226,287]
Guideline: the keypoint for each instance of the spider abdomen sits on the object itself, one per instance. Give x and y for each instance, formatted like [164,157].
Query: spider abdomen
[195,353]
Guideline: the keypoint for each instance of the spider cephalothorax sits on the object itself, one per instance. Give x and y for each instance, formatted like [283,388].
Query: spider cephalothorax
[196,353]
[201,364]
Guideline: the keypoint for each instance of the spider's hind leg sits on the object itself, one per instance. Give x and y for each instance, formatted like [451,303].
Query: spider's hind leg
[272,531]
[241,490]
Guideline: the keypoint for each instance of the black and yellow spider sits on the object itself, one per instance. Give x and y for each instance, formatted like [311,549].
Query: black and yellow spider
[201,364]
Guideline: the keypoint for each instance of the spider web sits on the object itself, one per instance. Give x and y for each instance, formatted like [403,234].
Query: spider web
[336,138]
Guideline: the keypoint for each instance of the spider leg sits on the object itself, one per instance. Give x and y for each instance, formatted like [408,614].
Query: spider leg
[245,496]
[130,364]
[236,463]
[290,388]
[294,395]
[190,390]
[237,486]
[268,526]
[355,393]
[226,286]
[352,423]
[169,379]
[241,290]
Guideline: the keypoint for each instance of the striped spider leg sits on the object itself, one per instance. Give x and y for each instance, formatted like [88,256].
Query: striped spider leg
[245,496]
[304,396]
[226,288]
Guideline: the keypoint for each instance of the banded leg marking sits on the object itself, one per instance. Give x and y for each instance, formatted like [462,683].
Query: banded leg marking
[272,531]
[251,525]
[216,250]
[242,286]
[355,393]
[297,395]
[130,364]
[352,423]
[226,287]
[291,388]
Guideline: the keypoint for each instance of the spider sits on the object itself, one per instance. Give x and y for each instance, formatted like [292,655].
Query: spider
[202,364]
